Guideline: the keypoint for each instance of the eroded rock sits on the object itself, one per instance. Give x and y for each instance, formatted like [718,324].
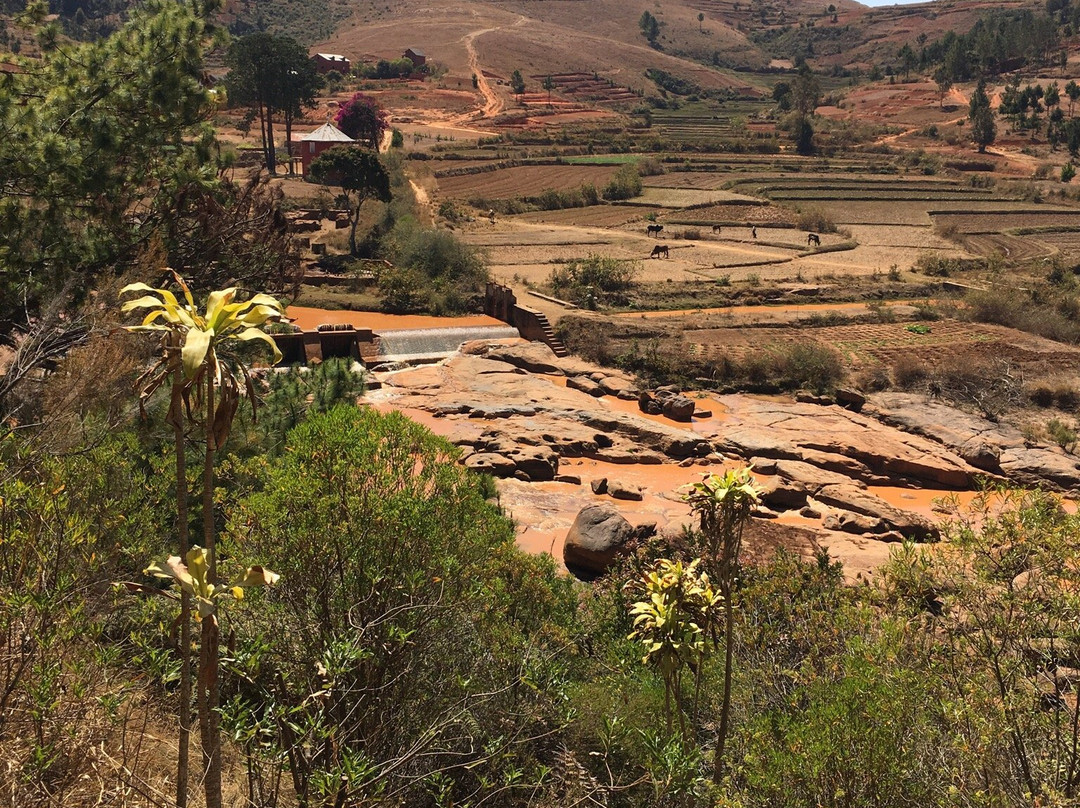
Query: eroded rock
[599,534]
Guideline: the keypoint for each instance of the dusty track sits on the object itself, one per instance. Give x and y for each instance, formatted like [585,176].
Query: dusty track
[493,103]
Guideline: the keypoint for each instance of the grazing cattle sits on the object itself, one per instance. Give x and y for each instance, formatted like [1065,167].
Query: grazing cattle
[753,231]
[654,229]
[813,238]
[716,229]
[658,250]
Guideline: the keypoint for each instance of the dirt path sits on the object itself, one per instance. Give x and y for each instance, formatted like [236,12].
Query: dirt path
[493,103]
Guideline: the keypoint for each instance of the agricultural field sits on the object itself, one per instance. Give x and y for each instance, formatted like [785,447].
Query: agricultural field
[509,183]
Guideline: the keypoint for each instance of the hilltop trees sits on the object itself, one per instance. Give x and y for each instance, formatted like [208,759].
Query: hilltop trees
[517,83]
[273,74]
[650,27]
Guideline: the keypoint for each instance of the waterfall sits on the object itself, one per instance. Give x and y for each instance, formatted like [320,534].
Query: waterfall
[429,344]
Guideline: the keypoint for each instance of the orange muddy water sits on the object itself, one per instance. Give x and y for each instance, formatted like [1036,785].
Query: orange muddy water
[309,319]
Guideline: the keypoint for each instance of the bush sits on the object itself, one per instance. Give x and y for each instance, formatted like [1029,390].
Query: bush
[816,220]
[398,579]
[1062,434]
[909,372]
[626,184]
[433,268]
[590,281]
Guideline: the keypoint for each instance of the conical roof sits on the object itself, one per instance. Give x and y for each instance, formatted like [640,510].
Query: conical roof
[327,133]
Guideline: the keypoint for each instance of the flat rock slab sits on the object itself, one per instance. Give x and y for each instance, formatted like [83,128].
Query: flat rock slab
[836,439]
[993,447]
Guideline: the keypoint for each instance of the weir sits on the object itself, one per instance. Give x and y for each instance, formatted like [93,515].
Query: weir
[432,344]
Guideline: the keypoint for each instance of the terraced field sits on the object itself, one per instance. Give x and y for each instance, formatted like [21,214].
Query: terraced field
[698,123]
[884,343]
[529,180]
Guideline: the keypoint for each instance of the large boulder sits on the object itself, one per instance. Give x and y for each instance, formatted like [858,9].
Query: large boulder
[599,534]
[678,408]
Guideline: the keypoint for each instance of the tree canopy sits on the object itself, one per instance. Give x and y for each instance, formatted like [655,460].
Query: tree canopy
[362,119]
[360,175]
[273,74]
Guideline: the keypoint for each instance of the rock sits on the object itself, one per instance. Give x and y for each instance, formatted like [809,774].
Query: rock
[585,385]
[993,447]
[570,479]
[687,462]
[629,456]
[981,455]
[848,398]
[596,376]
[597,536]
[599,486]
[763,465]
[806,397]
[491,463]
[648,404]
[810,477]
[776,492]
[538,463]
[703,413]
[849,443]
[620,490]
[809,512]
[853,523]
[617,386]
[678,408]
[860,501]
[535,357]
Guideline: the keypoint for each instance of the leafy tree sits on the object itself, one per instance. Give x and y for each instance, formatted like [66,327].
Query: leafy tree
[363,119]
[548,85]
[274,74]
[700,20]
[360,175]
[205,376]
[517,83]
[1072,89]
[805,92]
[802,133]
[908,60]
[944,84]
[650,27]
[983,130]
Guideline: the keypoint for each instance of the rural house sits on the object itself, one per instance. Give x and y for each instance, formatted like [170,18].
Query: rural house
[315,143]
[416,56]
[325,62]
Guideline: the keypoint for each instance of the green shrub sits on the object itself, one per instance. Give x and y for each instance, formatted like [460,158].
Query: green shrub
[408,622]
[1062,434]
[594,279]
[626,184]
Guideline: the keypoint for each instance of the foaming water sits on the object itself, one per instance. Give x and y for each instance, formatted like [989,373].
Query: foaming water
[425,344]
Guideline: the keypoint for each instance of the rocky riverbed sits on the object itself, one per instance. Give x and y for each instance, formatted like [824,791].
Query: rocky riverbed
[561,435]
